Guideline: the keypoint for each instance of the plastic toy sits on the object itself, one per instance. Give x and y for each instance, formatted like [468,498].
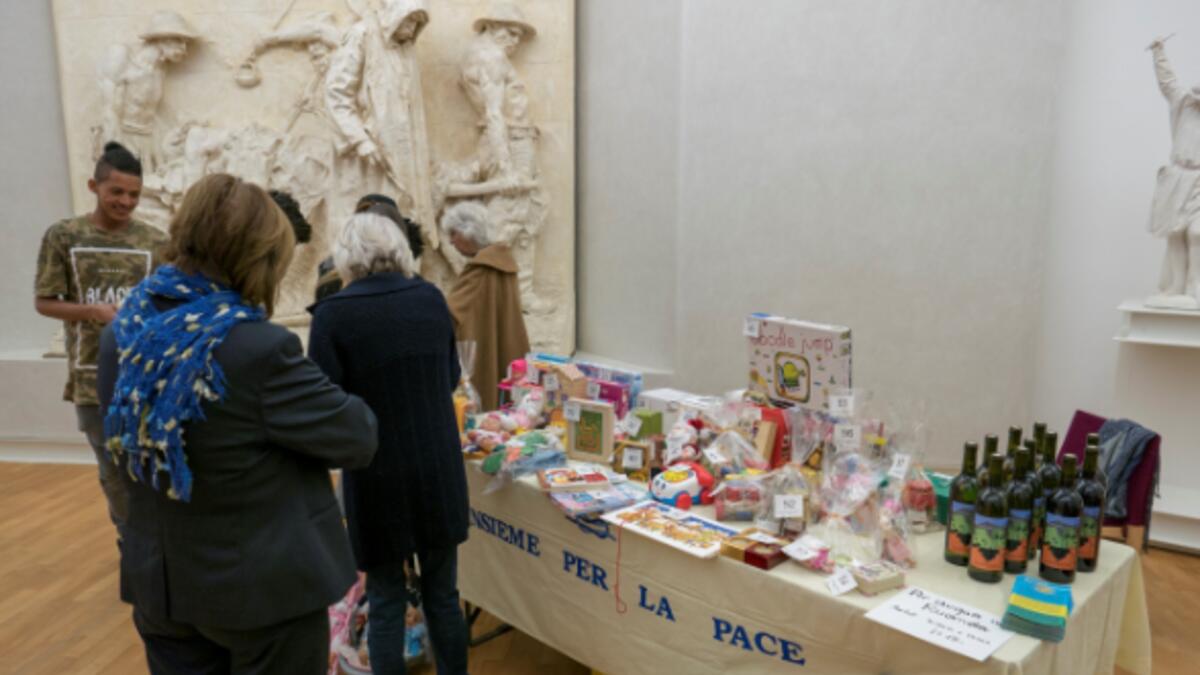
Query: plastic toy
[683,484]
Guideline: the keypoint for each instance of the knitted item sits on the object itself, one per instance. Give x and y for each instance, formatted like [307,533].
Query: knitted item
[167,371]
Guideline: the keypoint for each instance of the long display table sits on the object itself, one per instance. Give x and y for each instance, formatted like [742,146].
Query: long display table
[623,604]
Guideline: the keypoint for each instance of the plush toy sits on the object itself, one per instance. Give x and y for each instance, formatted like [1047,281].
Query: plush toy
[683,484]
[530,412]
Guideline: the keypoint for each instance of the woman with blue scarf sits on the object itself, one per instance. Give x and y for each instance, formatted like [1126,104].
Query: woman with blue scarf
[225,433]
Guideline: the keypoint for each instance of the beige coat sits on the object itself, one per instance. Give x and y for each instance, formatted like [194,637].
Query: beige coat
[486,304]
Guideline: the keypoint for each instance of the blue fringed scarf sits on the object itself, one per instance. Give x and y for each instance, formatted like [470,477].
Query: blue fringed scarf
[167,371]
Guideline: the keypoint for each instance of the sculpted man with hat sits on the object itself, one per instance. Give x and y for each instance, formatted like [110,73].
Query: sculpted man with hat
[132,85]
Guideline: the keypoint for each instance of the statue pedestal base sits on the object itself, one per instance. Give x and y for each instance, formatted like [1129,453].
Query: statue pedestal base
[1158,326]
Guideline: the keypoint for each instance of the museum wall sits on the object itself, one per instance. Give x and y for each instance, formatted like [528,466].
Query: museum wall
[881,165]
[34,186]
[1113,134]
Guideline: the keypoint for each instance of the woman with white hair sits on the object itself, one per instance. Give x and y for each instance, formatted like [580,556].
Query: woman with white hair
[486,300]
[388,337]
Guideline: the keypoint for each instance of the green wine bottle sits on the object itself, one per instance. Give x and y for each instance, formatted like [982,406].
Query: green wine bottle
[1039,436]
[989,536]
[1093,441]
[1039,509]
[1050,476]
[963,491]
[1092,493]
[991,444]
[1019,495]
[1060,545]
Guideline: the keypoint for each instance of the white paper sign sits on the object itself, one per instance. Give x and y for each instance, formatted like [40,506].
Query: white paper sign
[571,411]
[534,375]
[633,458]
[550,382]
[714,455]
[593,390]
[943,622]
[900,462]
[800,550]
[674,450]
[752,414]
[632,425]
[847,437]
[842,582]
[751,327]
[841,405]
[789,506]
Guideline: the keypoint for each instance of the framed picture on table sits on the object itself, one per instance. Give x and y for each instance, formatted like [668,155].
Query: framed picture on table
[590,430]
[633,459]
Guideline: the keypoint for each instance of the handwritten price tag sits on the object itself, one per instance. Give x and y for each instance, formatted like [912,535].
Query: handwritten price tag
[847,437]
[534,375]
[842,582]
[593,390]
[550,382]
[841,405]
[633,458]
[632,425]
[571,411]
[751,327]
[789,506]
[714,456]
[752,414]
[900,462]
[764,538]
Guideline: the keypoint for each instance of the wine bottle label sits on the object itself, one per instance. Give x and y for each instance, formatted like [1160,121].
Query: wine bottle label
[1039,517]
[958,536]
[1060,545]
[1018,535]
[1089,532]
[987,543]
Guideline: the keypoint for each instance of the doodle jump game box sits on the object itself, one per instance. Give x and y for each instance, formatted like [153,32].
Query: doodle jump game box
[797,363]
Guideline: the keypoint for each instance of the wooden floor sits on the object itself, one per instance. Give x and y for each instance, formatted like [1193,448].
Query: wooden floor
[59,611]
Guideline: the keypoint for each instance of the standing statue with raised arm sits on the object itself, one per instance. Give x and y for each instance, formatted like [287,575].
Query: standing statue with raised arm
[132,86]
[1175,214]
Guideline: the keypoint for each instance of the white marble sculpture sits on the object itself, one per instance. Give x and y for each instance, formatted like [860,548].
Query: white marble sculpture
[332,99]
[503,172]
[131,83]
[373,91]
[1175,214]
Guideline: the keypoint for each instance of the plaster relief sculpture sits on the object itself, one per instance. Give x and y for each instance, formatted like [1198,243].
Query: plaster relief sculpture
[373,92]
[132,85]
[1175,214]
[503,172]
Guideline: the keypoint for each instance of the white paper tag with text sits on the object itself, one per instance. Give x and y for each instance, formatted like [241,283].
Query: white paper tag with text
[550,382]
[633,458]
[571,411]
[847,437]
[841,405]
[751,327]
[593,390]
[789,506]
[842,582]
[900,462]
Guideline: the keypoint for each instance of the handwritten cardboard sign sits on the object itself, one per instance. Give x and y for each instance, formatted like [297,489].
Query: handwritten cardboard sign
[943,622]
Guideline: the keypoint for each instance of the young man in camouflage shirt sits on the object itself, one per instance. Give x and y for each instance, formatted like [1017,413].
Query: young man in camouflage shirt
[86,267]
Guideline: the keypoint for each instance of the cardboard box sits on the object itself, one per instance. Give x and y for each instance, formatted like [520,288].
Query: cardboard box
[797,363]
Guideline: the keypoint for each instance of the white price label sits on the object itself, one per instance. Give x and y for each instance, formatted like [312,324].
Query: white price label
[764,538]
[674,451]
[551,382]
[571,411]
[841,582]
[633,458]
[593,390]
[800,550]
[847,437]
[632,425]
[900,462]
[789,506]
[604,374]
[841,405]
[534,375]
[752,414]
[714,455]
[690,414]
[751,328]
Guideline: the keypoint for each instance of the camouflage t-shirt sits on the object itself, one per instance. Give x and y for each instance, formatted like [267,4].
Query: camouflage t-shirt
[79,262]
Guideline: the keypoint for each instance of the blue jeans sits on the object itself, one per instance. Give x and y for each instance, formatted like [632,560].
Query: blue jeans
[388,595]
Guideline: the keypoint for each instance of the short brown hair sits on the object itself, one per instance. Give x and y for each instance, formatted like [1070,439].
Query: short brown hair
[232,231]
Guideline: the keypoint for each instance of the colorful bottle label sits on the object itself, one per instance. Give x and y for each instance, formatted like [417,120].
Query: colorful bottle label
[1039,517]
[1060,547]
[1018,535]
[958,536]
[1089,533]
[988,543]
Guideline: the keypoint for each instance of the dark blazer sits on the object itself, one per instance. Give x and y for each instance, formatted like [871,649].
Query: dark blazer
[390,340]
[262,539]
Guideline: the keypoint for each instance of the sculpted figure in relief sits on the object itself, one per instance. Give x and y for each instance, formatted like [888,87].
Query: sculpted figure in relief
[132,86]
[1175,214]
[503,172]
[373,93]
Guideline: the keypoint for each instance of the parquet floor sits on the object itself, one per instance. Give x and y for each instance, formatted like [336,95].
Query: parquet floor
[59,611]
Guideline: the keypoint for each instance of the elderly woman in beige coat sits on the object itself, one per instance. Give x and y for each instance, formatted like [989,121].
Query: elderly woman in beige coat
[486,300]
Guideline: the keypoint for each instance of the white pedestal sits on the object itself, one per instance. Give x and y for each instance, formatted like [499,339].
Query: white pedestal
[36,425]
[1164,327]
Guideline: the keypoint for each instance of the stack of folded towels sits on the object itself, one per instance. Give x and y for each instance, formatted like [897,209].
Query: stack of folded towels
[1038,608]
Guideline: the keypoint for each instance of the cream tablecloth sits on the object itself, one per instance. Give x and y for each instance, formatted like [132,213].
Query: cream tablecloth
[625,604]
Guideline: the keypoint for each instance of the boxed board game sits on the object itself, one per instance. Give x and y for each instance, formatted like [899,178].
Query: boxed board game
[797,363]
